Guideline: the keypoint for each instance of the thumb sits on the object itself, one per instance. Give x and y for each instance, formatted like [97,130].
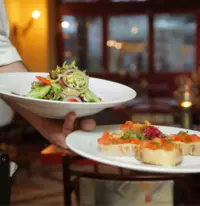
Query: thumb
[68,125]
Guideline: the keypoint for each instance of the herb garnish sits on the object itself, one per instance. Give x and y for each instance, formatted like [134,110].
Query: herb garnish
[133,134]
[168,139]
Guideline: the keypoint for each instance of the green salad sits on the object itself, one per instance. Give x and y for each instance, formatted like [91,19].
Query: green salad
[66,83]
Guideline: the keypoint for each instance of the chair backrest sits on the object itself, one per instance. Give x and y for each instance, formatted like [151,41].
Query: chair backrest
[157,111]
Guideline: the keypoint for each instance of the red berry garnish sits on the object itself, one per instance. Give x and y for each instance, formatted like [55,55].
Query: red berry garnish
[152,132]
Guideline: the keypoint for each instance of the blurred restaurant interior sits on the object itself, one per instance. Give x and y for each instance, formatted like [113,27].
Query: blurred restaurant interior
[150,45]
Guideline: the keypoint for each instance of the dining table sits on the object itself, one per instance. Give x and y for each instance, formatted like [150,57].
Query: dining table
[82,168]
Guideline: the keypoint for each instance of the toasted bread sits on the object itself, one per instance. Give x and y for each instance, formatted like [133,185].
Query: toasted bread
[118,149]
[194,149]
[159,157]
[159,152]
[184,147]
[116,145]
[189,144]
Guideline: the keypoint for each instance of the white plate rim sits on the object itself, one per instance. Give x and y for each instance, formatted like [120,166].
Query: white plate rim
[143,167]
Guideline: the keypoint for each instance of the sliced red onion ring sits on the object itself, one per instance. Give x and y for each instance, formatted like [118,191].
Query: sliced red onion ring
[67,72]
[59,77]
[83,98]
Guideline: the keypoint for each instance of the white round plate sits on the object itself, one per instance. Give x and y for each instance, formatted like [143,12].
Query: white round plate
[85,144]
[112,94]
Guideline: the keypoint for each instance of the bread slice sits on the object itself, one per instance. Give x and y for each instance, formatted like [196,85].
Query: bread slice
[189,148]
[194,149]
[159,151]
[159,157]
[119,149]
[184,147]
[189,144]
[115,145]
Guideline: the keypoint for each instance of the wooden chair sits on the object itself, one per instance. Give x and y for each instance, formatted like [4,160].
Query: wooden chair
[182,183]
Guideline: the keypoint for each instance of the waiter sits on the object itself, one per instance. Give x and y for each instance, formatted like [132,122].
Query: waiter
[10,61]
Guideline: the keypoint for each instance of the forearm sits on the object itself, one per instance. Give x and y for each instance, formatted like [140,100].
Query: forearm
[48,128]
[14,67]
[34,120]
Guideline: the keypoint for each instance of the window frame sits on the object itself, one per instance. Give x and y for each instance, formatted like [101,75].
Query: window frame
[106,8]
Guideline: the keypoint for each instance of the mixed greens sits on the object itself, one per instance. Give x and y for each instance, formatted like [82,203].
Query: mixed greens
[66,83]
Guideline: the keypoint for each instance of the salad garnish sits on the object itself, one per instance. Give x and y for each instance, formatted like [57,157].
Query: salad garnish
[65,83]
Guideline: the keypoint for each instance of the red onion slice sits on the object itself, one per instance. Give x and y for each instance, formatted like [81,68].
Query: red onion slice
[60,76]
[71,71]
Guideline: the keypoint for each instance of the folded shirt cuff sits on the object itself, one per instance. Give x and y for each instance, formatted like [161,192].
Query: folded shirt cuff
[10,57]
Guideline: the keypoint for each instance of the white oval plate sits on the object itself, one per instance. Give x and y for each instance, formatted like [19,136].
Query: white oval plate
[113,94]
[85,144]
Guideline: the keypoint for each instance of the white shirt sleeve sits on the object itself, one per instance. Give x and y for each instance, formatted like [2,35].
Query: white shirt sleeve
[8,53]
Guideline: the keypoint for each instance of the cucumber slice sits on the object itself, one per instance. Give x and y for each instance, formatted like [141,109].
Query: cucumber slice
[39,92]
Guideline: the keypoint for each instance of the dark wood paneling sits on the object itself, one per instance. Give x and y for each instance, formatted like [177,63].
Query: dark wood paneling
[198,42]
[101,8]
[59,36]
[151,44]
[104,44]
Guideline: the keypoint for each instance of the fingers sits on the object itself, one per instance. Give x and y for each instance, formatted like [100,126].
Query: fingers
[53,133]
[87,124]
[60,142]
[69,122]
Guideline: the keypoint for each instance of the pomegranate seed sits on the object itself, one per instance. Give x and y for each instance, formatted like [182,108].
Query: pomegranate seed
[152,132]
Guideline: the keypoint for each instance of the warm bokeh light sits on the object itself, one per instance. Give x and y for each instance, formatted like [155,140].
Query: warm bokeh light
[111,43]
[186,104]
[65,24]
[36,14]
[134,30]
[118,45]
